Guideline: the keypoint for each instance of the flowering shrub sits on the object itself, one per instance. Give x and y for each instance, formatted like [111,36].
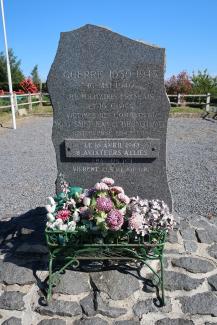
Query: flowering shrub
[105,208]
[179,84]
[28,86]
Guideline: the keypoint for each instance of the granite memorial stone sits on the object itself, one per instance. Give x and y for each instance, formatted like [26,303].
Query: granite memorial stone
[110,112]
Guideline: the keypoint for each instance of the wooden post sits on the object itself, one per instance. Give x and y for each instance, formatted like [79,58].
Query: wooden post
[30,101]
[40,99]
[15,102]
[207,102]
[179,100]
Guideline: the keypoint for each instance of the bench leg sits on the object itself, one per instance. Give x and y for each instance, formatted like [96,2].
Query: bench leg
[162,280]
[49,293]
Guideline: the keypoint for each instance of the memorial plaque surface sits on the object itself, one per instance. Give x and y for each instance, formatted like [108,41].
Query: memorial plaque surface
[110,112]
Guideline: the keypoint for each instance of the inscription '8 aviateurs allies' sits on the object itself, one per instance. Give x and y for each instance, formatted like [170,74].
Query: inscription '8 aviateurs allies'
[110,111]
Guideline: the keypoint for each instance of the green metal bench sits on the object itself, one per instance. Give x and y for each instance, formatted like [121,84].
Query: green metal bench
[69,249]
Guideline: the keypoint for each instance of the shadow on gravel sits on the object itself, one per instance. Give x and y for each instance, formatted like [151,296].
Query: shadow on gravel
[22,239]
[208,119]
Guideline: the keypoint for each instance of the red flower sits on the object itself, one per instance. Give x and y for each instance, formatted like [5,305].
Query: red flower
[63,214]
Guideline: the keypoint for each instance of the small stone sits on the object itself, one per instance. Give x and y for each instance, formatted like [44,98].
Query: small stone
[190,246]
[188,234]
[12,300]
[203,236]
[178,321]
[73,283]
[212,250]
[212,280]
[172,237]
[22,112]
[178,281]
[87,305]
[193,265]
[148,306]
[116,284]
[171,251]
[52,321]
[108,311]
[200,223]
[90,321]
[61,308]
[12,321]
[127,322]
[184,225]
[210,229]
[11,273]
[201,303]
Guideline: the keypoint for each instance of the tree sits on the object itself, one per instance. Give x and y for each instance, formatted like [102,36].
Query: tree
[16,72]
[203,83]
[35,75]
[180,84]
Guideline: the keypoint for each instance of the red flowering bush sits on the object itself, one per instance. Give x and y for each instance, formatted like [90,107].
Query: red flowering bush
[180,84]
[28,86]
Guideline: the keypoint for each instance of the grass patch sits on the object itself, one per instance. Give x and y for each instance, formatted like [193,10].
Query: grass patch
[186,109]
[41,110]
[5,115]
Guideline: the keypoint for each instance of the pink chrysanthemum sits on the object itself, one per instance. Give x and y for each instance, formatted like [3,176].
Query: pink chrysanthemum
[101,186]
[114,220]
[63,214]
[104,204]
[123,198]
[117,189]
[136,222]
[108,181]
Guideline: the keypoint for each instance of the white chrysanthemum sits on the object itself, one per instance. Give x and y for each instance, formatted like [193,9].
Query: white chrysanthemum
[50,225]
[58,223]
[50,217]
[72,203]
[86,201]
[71,225]
[76,216]
[50,201]
[143,203]
[144,210]
[50,208]
[63,227]
[154,214]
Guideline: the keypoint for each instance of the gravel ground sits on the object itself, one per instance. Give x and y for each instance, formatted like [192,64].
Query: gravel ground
[28,166]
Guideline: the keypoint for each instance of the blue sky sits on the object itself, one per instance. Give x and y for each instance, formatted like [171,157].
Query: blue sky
[186,28]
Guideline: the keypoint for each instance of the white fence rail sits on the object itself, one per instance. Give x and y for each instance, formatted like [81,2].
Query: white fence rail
[39,100]
[181,100]
[29,100]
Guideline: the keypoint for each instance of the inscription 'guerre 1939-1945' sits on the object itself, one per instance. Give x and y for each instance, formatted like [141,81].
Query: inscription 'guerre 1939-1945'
[110,111]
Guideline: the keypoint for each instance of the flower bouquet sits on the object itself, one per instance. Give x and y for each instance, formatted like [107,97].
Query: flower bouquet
[105,214]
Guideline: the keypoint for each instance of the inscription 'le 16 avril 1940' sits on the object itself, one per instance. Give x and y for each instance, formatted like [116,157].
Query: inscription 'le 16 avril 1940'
[112,148]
